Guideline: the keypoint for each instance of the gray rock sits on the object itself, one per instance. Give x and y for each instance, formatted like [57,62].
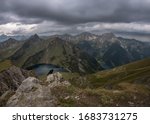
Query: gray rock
[11,79]
[4,98]
[32,94]
[56,79]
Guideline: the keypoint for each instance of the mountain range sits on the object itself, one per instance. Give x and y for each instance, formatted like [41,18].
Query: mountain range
[100,70]
[84,53]
[4,37]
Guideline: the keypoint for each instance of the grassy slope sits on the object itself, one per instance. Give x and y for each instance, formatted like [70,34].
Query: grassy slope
[28,49]
[5,65]
[6,53]
[126,85]
[137,72]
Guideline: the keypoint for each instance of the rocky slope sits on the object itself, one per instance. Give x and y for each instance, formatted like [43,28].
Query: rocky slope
[116,56]
[108,47]
[31,46]
[34,93]
[100,45]
[77,38]
[8,43]
[11,79]
[8,48]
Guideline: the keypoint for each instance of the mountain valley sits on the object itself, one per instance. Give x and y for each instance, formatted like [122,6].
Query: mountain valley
[98,70]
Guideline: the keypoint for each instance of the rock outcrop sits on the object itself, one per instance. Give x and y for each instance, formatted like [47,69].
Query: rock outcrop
[56,79]
[11,79]
[34,93]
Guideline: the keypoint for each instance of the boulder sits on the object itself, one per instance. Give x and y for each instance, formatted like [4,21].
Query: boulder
[32,94]
[56,79]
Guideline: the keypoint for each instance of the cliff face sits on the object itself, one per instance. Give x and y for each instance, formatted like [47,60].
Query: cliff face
[11,79]
[34,93]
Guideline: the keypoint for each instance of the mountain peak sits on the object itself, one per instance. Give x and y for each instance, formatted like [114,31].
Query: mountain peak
[3,35]
[57,39]
[11,39]
[86,36]
[34,37]
[110,35]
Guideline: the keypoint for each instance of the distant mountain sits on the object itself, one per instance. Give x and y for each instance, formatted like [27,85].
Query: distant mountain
[102,70]
[19,37]
[76,38]
[31,46]
[54,51]
[3,37]
[65,54]
[107,48]
[116,56]
[34,38]
[8,48]
[8,43]
[86,36]
[85,52]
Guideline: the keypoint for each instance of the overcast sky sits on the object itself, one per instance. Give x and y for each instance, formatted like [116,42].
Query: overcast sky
[123,17]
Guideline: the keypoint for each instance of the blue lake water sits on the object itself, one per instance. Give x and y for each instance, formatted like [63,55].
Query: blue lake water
[43,69]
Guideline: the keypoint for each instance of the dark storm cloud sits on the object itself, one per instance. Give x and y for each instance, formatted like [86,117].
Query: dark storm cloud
[4,20]
[142,36]
[76,11]
[124,17]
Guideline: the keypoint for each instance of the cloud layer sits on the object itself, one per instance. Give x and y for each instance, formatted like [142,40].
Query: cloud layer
[75,15]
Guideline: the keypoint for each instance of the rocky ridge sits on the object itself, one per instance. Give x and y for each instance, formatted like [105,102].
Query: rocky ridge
[11,79]
[34,93]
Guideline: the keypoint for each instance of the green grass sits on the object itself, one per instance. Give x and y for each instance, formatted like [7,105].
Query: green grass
[140,73]
[6,53]
[5,65]
[127,95]
[135,72]
[42,77]
[126,85]
[68,76]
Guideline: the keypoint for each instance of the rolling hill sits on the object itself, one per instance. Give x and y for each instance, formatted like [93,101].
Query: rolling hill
[127,85]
